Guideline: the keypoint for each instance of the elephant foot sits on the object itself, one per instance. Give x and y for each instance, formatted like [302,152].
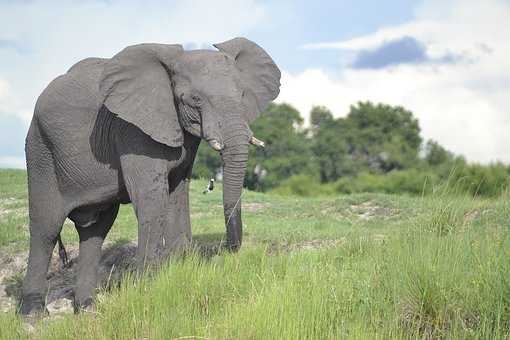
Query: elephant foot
[86,305]
[32,306]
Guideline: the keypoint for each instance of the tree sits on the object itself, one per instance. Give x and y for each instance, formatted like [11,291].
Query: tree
[331,150]
[436,155]
[207,162]
[376,138]
[287,149]
[383,137]
[286,153]
[320,116]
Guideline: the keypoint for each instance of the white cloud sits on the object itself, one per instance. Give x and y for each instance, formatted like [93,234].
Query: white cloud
[43,39]
[463,105]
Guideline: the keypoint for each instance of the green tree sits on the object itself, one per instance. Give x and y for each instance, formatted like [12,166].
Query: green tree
[331,150]
[207,162]
[320,116]
[436,155]
[376,138]
[287,150]
[383,137]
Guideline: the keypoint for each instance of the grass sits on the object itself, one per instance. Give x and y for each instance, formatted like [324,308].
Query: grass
[363,266]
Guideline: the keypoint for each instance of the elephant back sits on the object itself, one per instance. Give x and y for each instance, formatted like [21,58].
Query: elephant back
[73,93]
[89,66]
[86,74]
[68,107]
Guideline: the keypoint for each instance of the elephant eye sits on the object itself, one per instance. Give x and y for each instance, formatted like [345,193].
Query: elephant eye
[196,99]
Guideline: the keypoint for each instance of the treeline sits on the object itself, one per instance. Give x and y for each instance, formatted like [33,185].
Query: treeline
[375,148]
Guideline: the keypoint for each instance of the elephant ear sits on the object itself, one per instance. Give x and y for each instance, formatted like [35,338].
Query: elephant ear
[259,74]
[135,85]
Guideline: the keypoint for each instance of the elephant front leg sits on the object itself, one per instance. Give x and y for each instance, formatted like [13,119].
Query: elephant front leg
[157,235]
[160,231]
[179,199]
[179,180]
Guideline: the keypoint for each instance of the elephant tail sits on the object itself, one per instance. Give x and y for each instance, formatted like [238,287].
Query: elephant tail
[62,253]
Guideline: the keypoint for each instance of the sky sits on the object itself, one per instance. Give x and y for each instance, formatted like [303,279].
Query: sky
[448,61]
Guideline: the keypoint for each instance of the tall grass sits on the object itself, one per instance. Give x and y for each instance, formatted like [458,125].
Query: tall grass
[439,271]
[418,284]
[11,327]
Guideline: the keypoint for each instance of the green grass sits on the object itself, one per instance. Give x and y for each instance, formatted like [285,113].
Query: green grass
[363,266]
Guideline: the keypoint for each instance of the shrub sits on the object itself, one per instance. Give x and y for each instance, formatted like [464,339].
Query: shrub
[412,181]
[303,185]
[460,179]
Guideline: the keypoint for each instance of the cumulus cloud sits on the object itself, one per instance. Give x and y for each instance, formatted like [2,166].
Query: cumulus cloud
[462,104]
[405,50]
[40,40]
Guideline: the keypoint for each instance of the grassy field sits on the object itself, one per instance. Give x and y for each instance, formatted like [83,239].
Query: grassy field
[363,266]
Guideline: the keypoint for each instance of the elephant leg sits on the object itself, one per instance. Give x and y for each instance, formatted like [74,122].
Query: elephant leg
[185,218]
[179,199]
[159,232]
[47,217]
[91,241]
[179,182]
[179,186]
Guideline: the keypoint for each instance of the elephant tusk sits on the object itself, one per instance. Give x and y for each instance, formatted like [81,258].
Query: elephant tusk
[257,142]
[215,145]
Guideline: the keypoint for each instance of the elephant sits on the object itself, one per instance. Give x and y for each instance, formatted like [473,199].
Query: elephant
[126,130]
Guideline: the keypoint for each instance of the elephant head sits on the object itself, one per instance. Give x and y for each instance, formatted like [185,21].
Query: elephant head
[214,95]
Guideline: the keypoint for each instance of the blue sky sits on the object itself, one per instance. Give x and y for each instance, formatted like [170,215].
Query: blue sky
[292,24]
[446,60]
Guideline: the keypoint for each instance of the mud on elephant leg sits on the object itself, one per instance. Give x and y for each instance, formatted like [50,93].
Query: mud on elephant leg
[179,205]
[179,184]
[159,235]
[91,241]
[46,220]
[157,212]
[35,284]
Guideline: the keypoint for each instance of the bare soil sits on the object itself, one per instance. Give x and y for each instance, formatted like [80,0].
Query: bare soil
[116,259]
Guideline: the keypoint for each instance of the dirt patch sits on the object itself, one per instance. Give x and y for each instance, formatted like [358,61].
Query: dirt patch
[368,210]
[8,207]
[277,248]
[318,244]
[18,212]
[116,260]
[197,215]
[10,201]
[254,207]
[475,214]
[11,268]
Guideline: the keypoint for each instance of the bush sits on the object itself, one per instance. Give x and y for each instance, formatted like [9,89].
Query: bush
[463,179]
[412,181]
[303,185]
[489,180]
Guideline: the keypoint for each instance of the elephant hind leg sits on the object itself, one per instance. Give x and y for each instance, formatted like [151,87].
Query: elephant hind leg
[47,215]
[91,240]
[35,284]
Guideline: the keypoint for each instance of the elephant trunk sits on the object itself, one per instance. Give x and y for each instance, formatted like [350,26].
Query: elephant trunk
[235,157]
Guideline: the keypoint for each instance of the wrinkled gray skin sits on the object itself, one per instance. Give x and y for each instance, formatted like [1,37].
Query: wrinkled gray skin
[127,129]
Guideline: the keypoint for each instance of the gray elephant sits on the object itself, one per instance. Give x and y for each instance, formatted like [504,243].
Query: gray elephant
[127,129]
